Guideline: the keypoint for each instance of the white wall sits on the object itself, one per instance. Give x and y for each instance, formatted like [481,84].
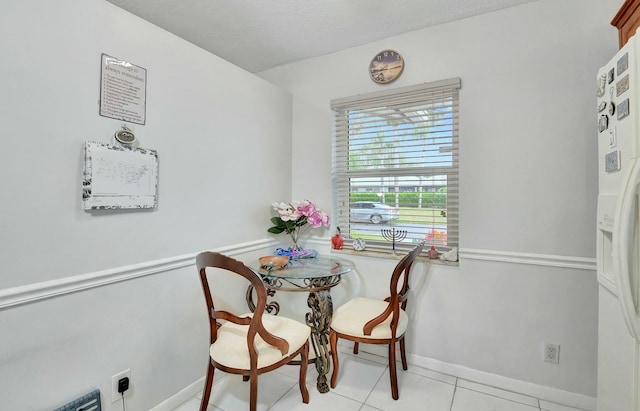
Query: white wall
[528,182]
[217,130]
[216,127]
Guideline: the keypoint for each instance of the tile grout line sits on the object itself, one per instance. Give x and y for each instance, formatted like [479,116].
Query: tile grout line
[284,395]
[453,396]
[503,398]
[374,385]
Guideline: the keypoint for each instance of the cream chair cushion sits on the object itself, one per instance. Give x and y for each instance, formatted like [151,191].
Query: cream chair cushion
[351,317]
[230,349]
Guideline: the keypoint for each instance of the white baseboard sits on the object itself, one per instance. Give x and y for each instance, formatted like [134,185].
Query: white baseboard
[509,384]
[550,394]
[181,397]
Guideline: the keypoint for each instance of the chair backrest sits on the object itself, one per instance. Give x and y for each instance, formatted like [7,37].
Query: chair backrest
[398,297]
[220,261]
[401,273]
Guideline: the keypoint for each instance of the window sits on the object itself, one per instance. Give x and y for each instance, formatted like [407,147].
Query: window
[395,166]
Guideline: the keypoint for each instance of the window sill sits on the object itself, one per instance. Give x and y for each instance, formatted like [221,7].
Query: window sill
[390,256]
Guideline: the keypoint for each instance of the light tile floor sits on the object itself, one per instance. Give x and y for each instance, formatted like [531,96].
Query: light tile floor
[363,385]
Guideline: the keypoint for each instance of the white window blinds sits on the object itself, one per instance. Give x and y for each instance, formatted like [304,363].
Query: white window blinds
[395,166]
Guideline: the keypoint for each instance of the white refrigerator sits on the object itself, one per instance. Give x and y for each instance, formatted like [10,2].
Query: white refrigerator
[618,105]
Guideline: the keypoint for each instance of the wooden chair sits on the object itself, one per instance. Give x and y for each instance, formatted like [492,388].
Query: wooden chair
[370,321]
[250,344]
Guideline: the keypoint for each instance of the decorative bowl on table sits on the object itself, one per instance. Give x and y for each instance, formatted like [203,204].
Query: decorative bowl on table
[273,261]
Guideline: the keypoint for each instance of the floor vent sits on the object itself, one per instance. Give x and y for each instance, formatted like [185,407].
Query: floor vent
[89,402]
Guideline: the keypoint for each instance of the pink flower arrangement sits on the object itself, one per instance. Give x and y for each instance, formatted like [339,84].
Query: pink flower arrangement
[295,218]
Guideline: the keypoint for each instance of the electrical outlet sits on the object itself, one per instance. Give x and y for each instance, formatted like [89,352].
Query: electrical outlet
[551,353]
[115,395]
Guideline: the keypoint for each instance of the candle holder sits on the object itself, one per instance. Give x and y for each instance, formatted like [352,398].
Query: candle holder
[394,236]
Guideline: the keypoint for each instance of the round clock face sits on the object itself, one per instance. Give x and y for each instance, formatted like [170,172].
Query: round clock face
[386,66]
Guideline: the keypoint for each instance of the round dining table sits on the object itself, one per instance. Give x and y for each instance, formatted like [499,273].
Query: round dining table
[315,276]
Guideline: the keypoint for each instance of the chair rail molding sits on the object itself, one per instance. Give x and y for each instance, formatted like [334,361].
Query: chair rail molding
[25,294]
[551,260]
[30,293]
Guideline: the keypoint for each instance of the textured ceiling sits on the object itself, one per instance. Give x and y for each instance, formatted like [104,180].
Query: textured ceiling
[258,34]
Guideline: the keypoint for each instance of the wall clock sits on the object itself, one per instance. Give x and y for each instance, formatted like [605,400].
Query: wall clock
[386,66]
[125,136]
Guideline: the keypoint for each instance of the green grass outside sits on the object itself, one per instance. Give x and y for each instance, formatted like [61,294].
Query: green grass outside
[408,215]
[421,216]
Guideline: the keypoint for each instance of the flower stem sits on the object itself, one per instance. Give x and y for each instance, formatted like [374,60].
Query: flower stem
[295,234]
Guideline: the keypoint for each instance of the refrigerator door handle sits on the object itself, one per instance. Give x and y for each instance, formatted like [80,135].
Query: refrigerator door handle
[623,239]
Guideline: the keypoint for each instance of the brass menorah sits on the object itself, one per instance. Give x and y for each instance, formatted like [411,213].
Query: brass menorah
[394,236]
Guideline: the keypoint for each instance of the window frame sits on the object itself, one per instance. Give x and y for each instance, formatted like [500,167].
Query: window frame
[342,175]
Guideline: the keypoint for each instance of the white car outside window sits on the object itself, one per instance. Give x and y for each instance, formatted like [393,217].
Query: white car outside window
[372,212]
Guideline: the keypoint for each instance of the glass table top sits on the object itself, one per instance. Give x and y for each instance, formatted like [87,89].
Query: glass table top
[308,268]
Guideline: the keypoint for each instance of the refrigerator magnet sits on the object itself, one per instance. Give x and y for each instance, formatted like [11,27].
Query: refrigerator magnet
[602,85]
[603,123]
[612,161]
[613,140]
[623,109]
[602,106]
[612,108]
[623,63]
[622,85]
[610,76]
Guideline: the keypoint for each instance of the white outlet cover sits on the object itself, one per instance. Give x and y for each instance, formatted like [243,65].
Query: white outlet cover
[115,395]
[551,353]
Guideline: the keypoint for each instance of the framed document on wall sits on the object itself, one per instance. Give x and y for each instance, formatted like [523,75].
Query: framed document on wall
[123,90]
[118,177]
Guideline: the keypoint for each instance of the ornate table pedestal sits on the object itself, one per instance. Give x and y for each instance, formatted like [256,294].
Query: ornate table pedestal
[316,276]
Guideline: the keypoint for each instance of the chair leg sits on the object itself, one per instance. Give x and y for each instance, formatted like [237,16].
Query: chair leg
[355,347]
[253,391]
[302,380]
[207,387]
[333,342]
[392,370]
[403,355]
